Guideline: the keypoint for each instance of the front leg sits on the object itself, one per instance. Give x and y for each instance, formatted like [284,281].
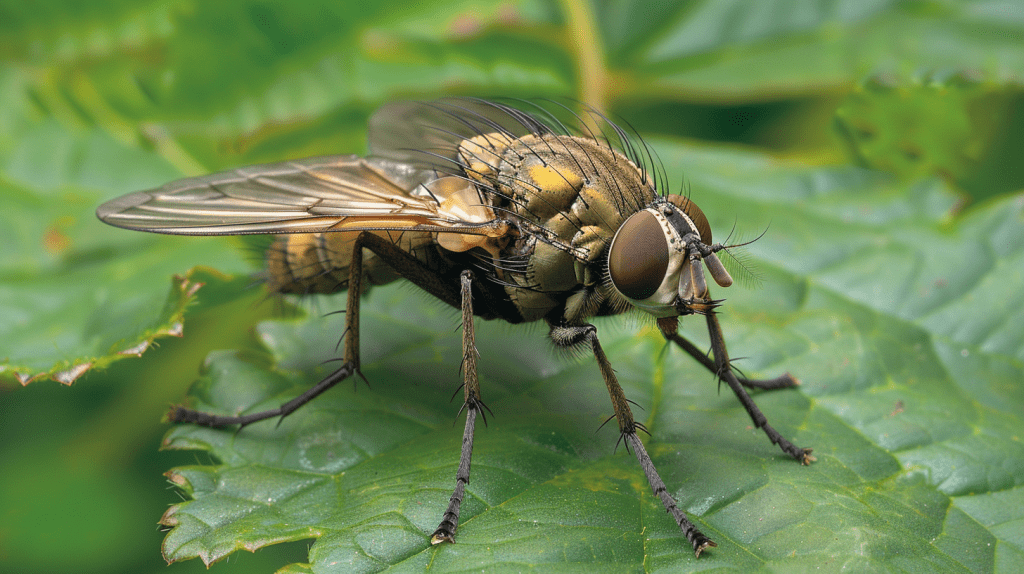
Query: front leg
[724,370]
[581,335]
[669,328]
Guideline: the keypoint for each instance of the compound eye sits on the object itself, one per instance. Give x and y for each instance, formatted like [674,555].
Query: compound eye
[638,257]
[695,214]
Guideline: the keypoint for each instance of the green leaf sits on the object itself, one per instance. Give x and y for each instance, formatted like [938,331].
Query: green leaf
[893,128]
[77,294]
[732,50]
[893,297]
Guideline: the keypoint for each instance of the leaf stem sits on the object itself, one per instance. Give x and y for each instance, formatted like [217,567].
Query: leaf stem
[588,52]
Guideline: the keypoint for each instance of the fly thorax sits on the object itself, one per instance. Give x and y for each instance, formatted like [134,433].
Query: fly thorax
[482,156]
[657,257]
[543,176]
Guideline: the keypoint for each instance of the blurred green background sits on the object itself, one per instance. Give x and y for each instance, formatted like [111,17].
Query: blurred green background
[103,98]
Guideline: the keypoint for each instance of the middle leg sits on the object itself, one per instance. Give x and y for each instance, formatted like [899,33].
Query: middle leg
[471,391]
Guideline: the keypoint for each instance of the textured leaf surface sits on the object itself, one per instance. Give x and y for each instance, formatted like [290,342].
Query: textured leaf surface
[898,309]
[733,49]
[77,294]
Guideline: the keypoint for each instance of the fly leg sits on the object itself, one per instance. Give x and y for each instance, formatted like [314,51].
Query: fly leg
[403,263]
[471,386]
[668,328]
[724,371]
[572,336]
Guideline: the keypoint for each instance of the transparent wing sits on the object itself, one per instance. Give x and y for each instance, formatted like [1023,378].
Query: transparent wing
[428,134]
[318,194]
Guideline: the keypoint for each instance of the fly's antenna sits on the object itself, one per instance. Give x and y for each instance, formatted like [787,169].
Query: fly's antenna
[725,244]
[739,262]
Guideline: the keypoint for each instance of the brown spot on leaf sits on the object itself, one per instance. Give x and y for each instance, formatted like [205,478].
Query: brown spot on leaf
[55,241]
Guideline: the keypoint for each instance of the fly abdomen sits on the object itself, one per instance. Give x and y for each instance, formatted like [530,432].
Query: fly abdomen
[293,266]
[306,263]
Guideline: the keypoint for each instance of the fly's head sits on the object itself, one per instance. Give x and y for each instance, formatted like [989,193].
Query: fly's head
[657,258]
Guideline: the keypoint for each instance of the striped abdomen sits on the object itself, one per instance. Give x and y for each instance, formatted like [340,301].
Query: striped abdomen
[319,262]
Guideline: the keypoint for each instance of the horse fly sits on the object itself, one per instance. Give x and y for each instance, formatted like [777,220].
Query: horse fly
[501,211]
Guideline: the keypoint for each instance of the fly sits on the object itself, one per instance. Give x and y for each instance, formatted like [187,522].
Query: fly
[502,213]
